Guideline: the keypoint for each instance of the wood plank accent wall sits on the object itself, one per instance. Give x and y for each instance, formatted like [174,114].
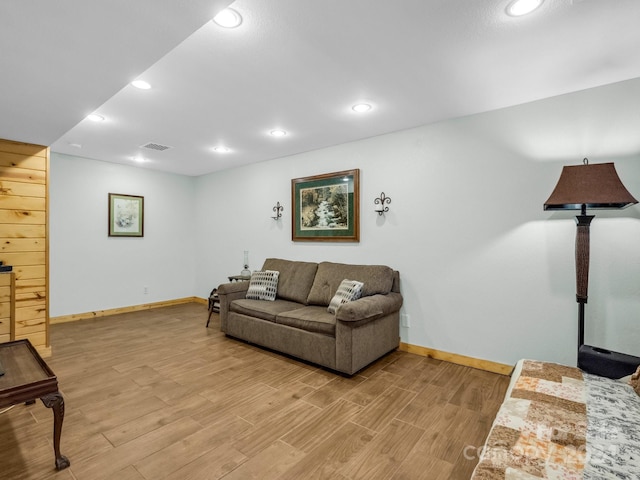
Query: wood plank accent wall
[24,236]
[7,305]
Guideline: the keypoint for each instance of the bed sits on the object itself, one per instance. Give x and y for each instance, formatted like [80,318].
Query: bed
[557,422]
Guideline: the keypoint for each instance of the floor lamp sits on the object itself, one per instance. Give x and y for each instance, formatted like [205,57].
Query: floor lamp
[583,187]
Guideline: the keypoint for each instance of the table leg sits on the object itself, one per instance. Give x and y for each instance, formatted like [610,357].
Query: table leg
[56,402]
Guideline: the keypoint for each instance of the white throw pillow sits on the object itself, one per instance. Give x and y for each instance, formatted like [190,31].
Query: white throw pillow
[263,285]
[347,291]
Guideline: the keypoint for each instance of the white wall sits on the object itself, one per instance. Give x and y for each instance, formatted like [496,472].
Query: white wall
[91,271]
[485,272]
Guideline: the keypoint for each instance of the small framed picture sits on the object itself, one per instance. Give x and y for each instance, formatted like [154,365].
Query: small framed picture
[126,215]
[326,207]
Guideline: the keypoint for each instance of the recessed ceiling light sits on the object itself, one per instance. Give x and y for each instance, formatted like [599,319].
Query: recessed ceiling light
[362,107]
[221,149]
[277,133]
[141,84]
[94,117]
[75,145]
[517,8]
[228,18]
[139,159]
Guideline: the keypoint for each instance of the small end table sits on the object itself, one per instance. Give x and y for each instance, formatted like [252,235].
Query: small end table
[214,300]
[26,378]
[214,304]
[239,278]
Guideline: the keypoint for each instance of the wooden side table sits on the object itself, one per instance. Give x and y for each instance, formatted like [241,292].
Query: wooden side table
[239,278]
[26,378]
[214,300]
[214,304]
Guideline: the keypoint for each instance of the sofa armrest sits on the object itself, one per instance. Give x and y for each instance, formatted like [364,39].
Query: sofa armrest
[233,288]
[227,293]
[369,308]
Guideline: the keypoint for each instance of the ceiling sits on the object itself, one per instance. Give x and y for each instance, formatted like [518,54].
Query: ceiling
[293,65]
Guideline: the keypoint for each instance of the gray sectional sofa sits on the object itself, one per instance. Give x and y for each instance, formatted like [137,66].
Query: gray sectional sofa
[297,322]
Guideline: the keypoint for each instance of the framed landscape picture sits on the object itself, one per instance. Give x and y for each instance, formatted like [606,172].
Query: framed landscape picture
[126,215]
[326,208]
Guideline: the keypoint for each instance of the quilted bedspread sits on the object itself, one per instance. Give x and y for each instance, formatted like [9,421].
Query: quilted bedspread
[560,423]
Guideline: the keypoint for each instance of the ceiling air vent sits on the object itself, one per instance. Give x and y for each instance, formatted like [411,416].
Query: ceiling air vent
[155,146]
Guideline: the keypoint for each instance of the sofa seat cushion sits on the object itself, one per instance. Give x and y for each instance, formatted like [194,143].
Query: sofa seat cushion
[263,309]
[311,318]
[377,279]
[295,279]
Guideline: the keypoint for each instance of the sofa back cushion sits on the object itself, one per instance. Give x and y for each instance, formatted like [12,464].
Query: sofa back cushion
[295,278]
[376,279]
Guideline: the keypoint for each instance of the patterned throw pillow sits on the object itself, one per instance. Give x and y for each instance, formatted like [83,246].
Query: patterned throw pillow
[635,381]
[347,291]
[263,285]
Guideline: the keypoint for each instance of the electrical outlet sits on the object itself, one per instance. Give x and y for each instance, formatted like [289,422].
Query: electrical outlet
[404,320]
[146,290]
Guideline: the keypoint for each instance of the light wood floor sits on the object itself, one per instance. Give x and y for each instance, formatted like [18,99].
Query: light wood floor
[154,395]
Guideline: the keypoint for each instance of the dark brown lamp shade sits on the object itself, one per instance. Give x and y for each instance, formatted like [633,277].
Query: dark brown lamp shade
[595,186]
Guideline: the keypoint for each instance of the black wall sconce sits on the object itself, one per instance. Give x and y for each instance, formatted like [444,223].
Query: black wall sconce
[380,204]
[278,209]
